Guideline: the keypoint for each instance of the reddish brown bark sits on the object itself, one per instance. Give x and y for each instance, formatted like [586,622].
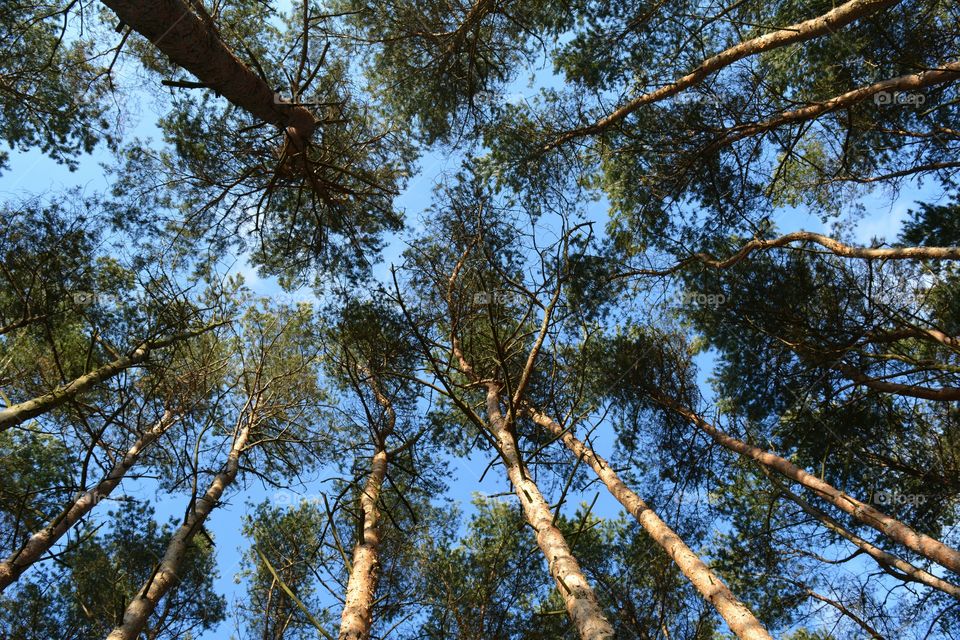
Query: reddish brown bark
[188,41]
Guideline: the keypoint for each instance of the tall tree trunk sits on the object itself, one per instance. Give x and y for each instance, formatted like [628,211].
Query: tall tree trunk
[39,543]
[192,43]
[910,572]
[917,542]
[20,412]
[737,616]
[357,616]
[578,595]
[165,576]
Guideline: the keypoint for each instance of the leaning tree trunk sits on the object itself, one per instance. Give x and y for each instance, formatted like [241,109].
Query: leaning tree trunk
[737,616]
[884,559]
[39,543]
[357,617]
[165,576]
[578,596]
[917,542]
[192,43]
[20,412]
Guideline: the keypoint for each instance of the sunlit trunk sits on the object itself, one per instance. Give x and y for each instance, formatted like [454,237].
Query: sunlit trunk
[357,617]
[920,543]
[165,577]
[737,616]
[41,542]
[578,596]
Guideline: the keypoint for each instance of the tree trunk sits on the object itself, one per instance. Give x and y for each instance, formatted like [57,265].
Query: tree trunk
[191,43]
[357,617]
[910,572]
[737,616]
[165,577]
[39,543]
[578,596]
[20,412]
[920,543]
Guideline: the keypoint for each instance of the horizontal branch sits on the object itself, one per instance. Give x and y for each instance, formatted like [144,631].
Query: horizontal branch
[834,246]
[942,394]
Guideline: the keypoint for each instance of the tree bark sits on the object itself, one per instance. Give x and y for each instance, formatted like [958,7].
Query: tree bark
[165,577]
[947,73]
[884,559]
[834,246]
[578,596]
[738,617]
[39,543]
[917,542]
[188,40]
[20,412]
[22,322]
[941,394]
[357,616]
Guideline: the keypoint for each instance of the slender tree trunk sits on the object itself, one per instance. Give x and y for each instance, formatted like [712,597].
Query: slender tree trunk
[357,617]
[917,542]
[578,595]
[39,543]
[20,412]
[192,43]
[910,572]
[165,577]
[737,616]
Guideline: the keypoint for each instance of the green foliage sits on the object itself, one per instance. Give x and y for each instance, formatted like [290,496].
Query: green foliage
[37,470]
[52,96]
[935,225]
[585,237]
[292,541]
[441,65]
